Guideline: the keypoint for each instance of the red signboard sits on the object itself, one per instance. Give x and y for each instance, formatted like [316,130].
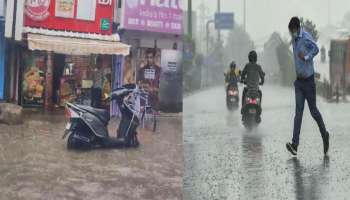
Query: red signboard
[89,16]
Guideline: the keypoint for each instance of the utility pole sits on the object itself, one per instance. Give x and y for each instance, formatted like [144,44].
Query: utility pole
[245,15]
[189,19]
[202,21]
[329,12]
[219,34]
[207,27]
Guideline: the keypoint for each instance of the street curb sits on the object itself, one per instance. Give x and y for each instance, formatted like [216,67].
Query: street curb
[200,90]
[170,115]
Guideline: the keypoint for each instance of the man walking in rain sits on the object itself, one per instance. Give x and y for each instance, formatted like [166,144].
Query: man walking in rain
[304,50]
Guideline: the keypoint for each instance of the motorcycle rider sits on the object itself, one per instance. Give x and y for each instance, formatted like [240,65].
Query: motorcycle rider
[232,75]
[251,75]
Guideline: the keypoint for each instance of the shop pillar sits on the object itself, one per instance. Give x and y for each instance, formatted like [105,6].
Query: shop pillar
[2,60]
[48,81]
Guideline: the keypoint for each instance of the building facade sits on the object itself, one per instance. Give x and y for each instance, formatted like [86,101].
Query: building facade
[62,40]
[154,26]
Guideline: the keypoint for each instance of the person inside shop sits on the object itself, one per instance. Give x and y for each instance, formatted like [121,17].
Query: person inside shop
[98,78]
[149,78]
[106,91]
[129,74]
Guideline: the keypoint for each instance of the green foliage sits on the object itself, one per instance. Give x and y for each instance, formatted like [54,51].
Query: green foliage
[238,46]
[286,63]
[310,27]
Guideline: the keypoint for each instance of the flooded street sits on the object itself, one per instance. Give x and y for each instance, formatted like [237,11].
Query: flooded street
[225,161]
[35,164]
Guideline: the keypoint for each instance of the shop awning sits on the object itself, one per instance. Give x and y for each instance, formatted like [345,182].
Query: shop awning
[76,46]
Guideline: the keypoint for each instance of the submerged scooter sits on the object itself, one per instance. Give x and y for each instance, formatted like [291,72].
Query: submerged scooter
[87,126]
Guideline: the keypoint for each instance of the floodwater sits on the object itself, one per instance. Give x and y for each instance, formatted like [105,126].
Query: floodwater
[35,164]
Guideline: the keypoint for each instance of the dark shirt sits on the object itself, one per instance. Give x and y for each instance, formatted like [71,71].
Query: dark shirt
[252,73]
[150,76]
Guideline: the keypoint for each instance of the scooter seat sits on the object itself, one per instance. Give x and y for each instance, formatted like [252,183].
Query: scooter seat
[101,113]
[252,93]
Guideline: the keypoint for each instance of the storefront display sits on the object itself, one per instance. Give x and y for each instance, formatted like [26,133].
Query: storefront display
[33,78]
[128,70]
[71,34]
[77,79]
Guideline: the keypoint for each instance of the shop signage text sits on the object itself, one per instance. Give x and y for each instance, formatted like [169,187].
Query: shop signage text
[156,3]
[63,15]
[153,15]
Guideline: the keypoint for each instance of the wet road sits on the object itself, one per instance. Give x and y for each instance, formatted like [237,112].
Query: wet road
[225,161]
[34,164]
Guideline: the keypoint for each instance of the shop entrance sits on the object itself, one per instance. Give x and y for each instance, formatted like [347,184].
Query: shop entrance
[58,67]
[73,78]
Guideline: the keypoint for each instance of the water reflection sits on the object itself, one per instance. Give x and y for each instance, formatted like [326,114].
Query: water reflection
[310,183]
[252,160]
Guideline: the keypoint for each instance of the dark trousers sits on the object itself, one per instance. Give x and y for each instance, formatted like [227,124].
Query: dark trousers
[96,95]
[306,89]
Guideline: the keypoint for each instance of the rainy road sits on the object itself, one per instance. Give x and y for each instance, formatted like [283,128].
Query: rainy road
[224,161]
[34,164]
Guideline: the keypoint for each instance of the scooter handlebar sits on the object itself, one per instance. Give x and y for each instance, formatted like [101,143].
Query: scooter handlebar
[120,92]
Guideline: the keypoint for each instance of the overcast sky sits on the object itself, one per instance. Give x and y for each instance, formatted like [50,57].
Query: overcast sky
[267,16]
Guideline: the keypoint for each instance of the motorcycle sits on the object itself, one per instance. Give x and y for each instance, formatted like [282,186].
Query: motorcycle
[251,107]
[87,126]
[232,96]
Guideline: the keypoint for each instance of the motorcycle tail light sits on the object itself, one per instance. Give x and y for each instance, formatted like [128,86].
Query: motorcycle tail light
[253,101]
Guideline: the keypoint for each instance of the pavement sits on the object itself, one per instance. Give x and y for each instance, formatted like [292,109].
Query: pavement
[223,160]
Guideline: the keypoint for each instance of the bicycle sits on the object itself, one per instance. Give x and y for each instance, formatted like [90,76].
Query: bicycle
[146,111]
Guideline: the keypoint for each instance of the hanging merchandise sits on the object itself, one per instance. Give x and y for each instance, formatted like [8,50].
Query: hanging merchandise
[33,78]
[128,70]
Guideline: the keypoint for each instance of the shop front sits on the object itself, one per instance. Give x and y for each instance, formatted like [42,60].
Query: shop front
[67,44]
[55,72]
[71,80]
[155,33]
